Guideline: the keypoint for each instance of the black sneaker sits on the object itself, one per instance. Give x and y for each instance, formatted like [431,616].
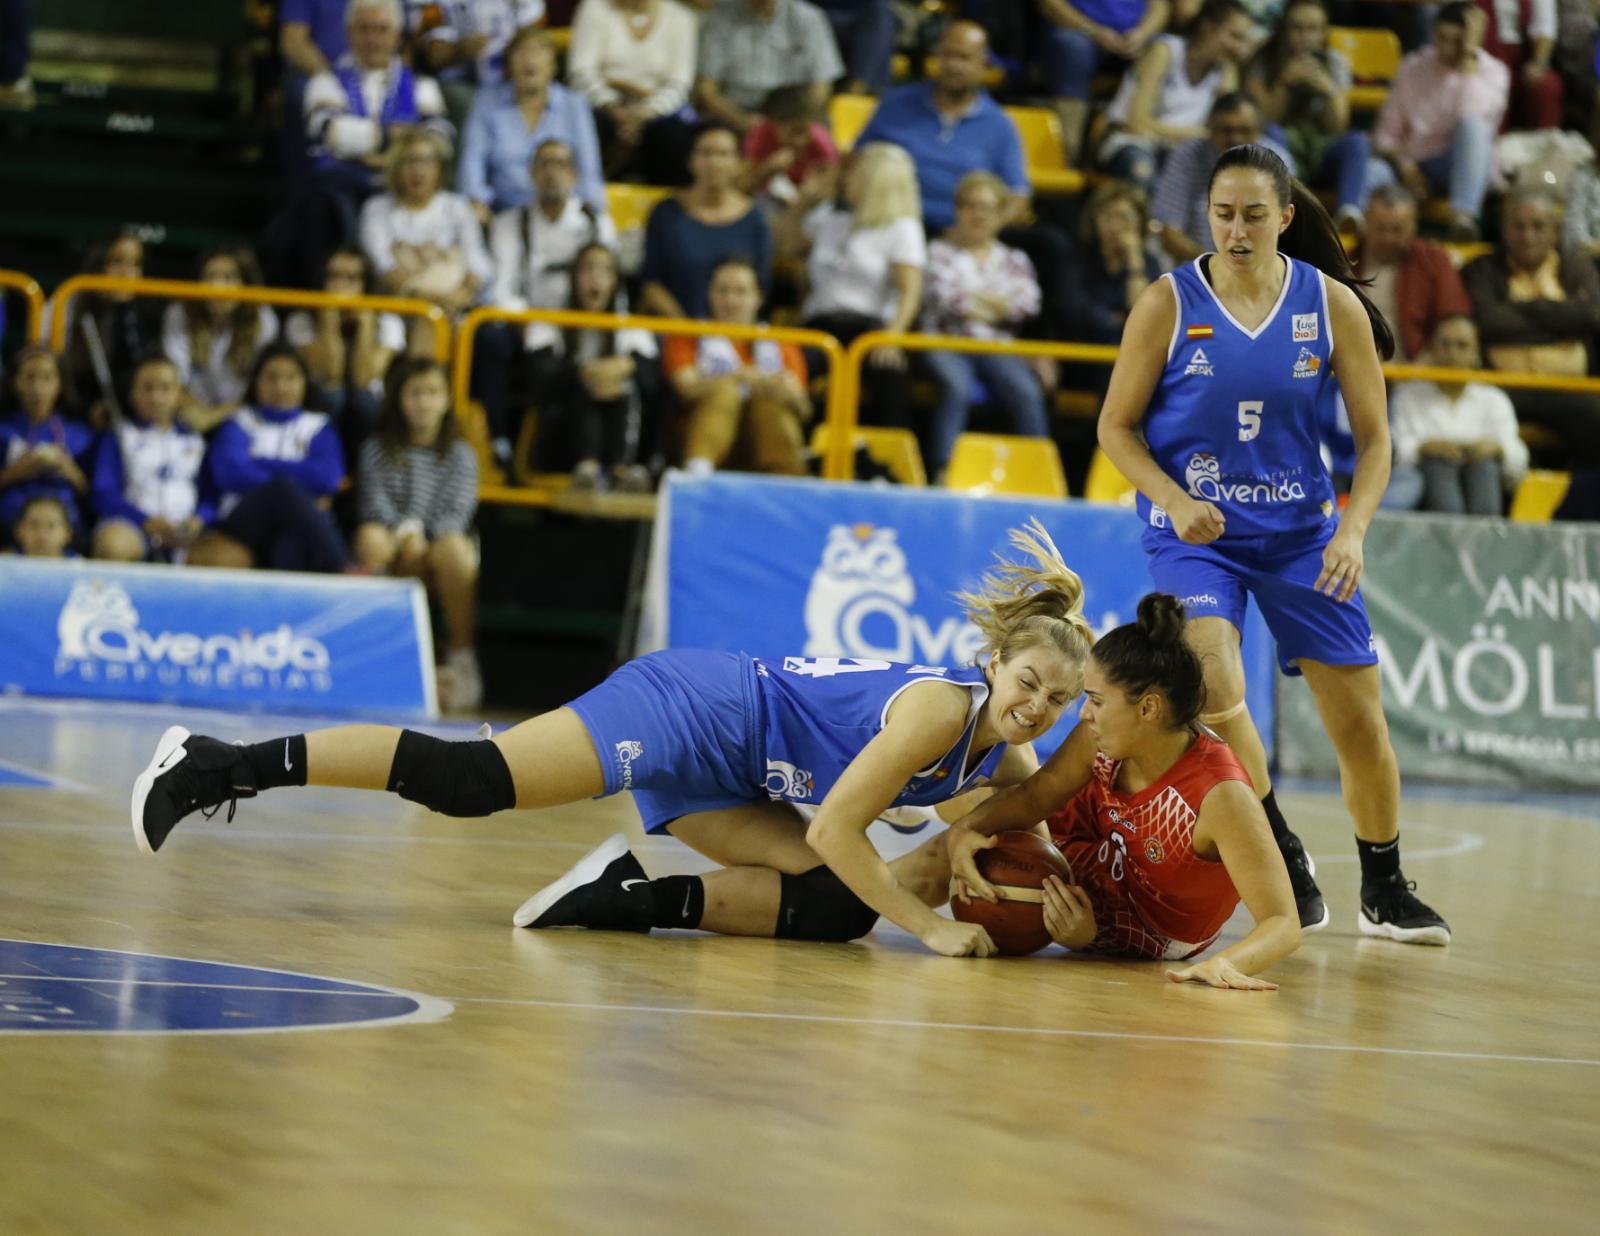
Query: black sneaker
[607,891]
[1302,878]
[187,773]
[1389,910]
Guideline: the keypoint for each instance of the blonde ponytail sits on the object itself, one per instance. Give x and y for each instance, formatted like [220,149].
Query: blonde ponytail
[1023,603]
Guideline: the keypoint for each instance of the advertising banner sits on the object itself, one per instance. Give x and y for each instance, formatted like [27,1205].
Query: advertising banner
[811,568]
[251,640]
[1489,646]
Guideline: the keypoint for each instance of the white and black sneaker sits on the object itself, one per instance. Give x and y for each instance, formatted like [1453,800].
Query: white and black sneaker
[1302,878]
[607,890]
[1389,909]
[189,772]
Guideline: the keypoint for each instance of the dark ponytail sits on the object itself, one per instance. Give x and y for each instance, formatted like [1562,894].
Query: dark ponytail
[1311,236]
[1151,654]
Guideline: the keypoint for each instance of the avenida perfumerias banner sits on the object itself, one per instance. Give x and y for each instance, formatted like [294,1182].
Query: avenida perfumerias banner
[1489,640]
[221,639]
[811,568]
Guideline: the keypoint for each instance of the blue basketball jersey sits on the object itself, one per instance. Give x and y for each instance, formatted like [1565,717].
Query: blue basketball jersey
[1235,419]
[821,712]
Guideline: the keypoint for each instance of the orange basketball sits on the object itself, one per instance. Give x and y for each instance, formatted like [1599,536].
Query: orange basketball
[1016,865]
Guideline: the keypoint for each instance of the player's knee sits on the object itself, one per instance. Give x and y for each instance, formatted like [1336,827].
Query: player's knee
[818,906]
[452,778]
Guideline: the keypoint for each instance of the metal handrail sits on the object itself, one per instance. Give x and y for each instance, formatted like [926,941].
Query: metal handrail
[28,287]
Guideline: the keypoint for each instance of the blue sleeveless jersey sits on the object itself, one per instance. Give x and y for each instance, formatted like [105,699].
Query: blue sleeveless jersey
[821,712]
[1235,419]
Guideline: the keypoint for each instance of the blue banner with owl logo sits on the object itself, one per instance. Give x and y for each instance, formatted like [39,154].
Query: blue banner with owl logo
[771,565]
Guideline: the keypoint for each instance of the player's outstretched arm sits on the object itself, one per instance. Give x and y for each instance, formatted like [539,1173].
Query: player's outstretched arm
[1232,817]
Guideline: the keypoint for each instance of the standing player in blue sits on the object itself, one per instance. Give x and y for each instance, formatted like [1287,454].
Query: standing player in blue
[718,748]
[1225,368]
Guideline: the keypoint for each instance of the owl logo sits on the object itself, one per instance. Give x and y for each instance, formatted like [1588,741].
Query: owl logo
[785,780]
[1203,477]
[94,606]
[863,574]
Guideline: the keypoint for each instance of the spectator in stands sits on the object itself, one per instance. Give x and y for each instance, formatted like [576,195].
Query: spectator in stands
[512,119]
[150,493]
[864,268]
[790,151]
[423,240]
[348,351]
[312,35]
[1084,37]
[463,43]
[745,402]
[633,60]
[42,452]
[598,384]
[748,48]
[43,529]
[117,327]
[1302,85]
[1580,218]
[275,465]
[1438,124]
[1521,34]
[214,342]
[1166,96]
[1456,446]
[416,494]
[983,289]
[1538,311]
[1111,265]
[1412,281]
[16,31]
[1181,204]
[865,32]
[694,230]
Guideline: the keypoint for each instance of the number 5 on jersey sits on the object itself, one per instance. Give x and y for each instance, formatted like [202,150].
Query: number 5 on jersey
[1249,419]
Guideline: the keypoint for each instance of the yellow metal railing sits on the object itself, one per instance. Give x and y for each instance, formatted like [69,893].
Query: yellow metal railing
[28,288]
[295,298]
[837,462]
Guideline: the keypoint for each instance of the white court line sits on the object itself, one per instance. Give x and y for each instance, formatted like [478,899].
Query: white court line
[1043,1031]
[56,782]
[1465,842]
[384,992]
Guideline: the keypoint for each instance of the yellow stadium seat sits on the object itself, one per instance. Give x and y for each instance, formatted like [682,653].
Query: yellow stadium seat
[474,424]
[630,205]
[1538,496]
[992,463]
[895,449]
[1105,483]
[1374,56]
[847,116]
[1040,131]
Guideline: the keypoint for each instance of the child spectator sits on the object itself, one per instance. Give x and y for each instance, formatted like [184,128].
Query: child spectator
[149,488]
[276,465]
[789,147]
[214,342]
[42,452]
[416,491]
[44,529]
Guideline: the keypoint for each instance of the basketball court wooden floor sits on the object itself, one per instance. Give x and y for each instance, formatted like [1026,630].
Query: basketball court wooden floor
[575,1082]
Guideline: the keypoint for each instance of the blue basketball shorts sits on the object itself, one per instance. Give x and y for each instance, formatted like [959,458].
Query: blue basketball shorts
[682,730]
[1280,572]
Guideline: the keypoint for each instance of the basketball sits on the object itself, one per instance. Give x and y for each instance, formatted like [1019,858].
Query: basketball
[1016,865]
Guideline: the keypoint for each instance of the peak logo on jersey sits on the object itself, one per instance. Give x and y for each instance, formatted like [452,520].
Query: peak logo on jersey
[1200,365]
[1203,478]
[1308,364]
[1305,327]
[784,780]
[1199,332]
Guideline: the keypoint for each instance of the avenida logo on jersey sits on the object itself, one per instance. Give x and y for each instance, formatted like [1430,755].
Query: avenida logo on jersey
[859,604]
[1203,478]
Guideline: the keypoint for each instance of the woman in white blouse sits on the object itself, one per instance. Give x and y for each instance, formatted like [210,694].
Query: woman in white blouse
[980,288]
[864,268]
[214,343]
[424,240]
[634,61]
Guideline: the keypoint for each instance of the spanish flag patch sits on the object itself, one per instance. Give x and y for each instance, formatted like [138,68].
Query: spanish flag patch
[1199,332]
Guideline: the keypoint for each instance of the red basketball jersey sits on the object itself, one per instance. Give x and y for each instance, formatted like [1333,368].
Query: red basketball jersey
[1134,855]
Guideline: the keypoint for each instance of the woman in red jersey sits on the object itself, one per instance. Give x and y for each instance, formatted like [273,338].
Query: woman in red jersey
[1157,818]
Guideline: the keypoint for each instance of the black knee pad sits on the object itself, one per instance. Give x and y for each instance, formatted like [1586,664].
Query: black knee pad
[818,906]
[452,778]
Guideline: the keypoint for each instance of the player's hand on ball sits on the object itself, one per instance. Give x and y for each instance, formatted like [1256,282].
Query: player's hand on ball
[962,846]
[1220,972]
[1068,914]
[1341,566]
[1196,522]
[952,939]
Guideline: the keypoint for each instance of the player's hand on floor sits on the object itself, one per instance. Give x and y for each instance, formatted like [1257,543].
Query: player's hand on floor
[1068,914]
[1220,972]
[952,939]
[962,846]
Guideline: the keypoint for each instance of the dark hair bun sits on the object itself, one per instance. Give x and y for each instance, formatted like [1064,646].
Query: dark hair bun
[1161,618]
